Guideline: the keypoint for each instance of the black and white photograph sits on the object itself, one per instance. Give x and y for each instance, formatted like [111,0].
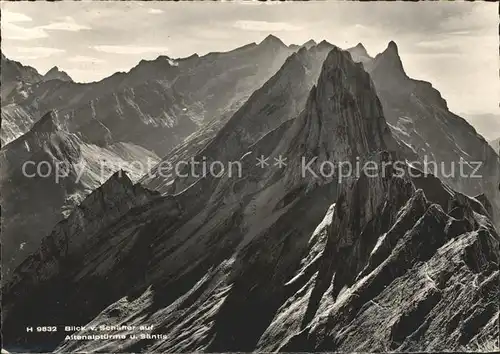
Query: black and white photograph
[250,176]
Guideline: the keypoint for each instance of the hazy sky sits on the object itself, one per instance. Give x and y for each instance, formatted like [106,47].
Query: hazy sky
[452,44]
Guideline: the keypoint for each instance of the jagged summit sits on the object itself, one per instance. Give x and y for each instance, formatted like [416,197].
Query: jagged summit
[57,74]
[390,52]
[53,69]
[325,44]
[342,86]
[191,57]
[393,46]
[120,176]
[360,46]
[389,63]
[361,50]
[46,124]
[272,40]
[342,119]
[310,43]
[360,55]
[159,61]
[336,58]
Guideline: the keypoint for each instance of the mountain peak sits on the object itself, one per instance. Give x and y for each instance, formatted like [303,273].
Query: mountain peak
[334,59]
[360,48]
[359,53]
[392,46]
[389,62]
[46,124]
[56,74]
[343,102]
[392,52]
[325,43]
[272,40]
[121,177]
[310,43]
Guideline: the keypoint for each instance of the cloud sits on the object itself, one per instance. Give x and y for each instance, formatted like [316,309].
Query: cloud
[85,59]
[155,11]
[10,17]
[439,45]
[15,32]
[39,52]
[26,57]
[11,30]
[69,24]
[265,26]
[118,49]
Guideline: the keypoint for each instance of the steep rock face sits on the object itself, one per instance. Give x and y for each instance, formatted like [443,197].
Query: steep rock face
[221,251]
[45,173]
[419,117]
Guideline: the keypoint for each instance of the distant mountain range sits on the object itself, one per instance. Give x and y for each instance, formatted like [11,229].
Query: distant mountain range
[275,259]
[160,102]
